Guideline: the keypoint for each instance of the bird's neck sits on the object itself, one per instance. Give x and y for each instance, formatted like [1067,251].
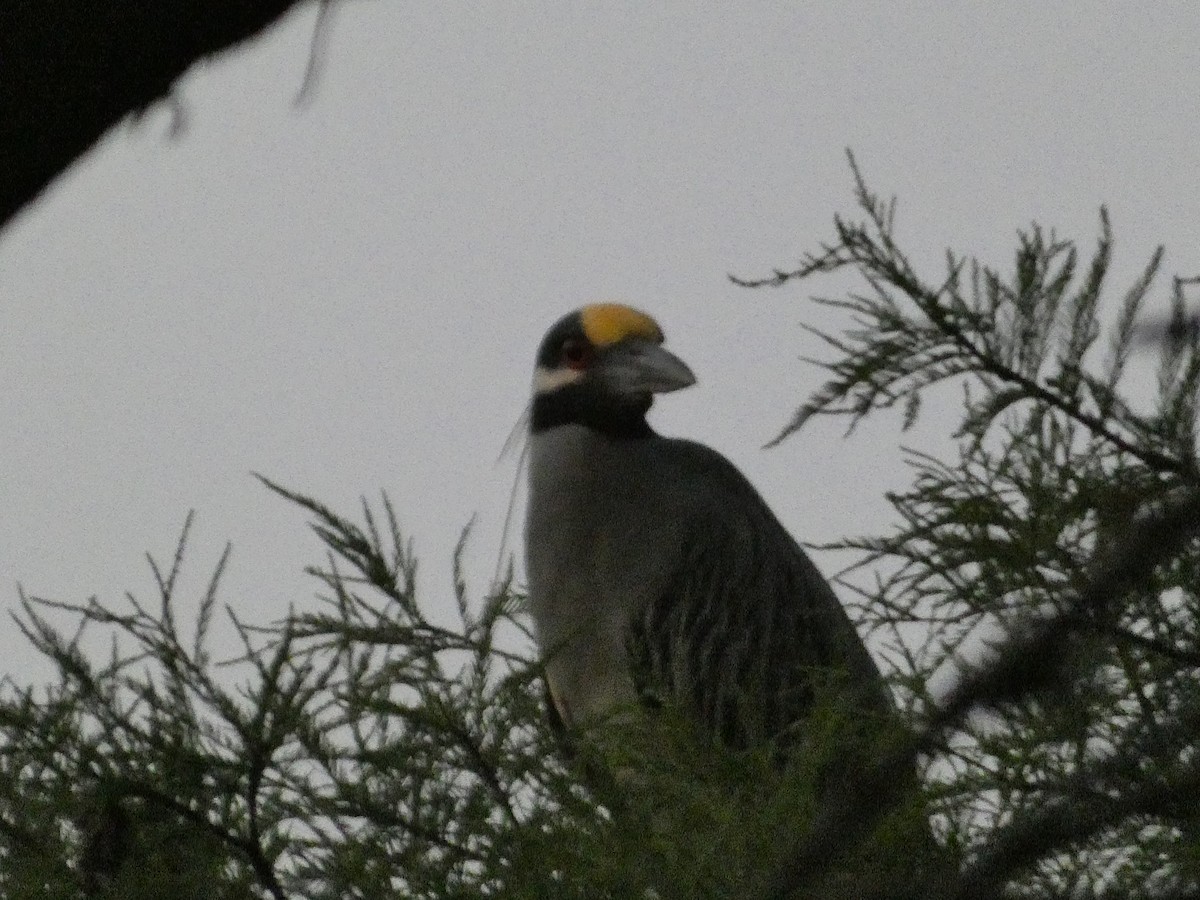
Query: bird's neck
[626,419]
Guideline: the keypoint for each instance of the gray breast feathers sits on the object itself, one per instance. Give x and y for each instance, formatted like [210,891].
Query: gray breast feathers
[657,571]
[599,547]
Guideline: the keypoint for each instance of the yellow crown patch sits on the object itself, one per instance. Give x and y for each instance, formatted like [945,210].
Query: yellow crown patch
[607,323]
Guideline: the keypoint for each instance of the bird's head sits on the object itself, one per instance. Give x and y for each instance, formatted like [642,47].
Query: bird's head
[601,366]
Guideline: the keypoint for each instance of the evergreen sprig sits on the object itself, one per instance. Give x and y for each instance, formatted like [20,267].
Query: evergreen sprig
[379,743]
[1061,534]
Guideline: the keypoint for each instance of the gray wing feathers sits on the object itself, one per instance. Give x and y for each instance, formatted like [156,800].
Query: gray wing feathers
[747,628]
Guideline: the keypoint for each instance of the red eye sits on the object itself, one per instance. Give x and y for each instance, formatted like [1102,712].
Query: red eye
[576,354]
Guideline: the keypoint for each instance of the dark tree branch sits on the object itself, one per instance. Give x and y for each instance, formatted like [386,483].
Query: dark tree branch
[249,848]
[69,71]
[1028,663]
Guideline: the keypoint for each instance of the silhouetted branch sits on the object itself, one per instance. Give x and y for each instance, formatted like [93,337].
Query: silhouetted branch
[69,71]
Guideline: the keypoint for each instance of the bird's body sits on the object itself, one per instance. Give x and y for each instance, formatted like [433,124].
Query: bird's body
[656,571]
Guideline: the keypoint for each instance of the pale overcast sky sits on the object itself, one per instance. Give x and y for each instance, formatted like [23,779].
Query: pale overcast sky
[347,297]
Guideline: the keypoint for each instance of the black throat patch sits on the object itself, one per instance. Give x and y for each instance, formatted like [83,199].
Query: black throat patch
[581,404]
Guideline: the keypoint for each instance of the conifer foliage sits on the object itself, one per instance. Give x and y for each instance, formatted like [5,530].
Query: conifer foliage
[1061,533]
[370,745]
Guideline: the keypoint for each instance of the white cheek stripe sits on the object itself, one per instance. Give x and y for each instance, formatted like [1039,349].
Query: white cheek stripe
[547,380]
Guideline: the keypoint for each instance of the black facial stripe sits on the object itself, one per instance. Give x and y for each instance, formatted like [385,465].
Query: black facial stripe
[569,326]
